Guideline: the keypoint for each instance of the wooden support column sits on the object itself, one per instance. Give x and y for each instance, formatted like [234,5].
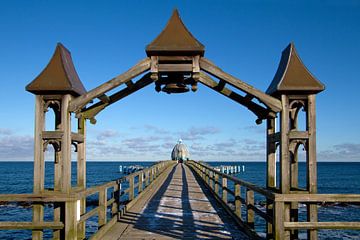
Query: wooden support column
[81,172]
[66,144]
[311,163]
[39,164]
[271,168]
[70,220]
[284,146]
[279,231]
[285,156]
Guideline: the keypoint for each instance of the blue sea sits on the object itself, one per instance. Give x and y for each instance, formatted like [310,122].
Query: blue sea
[17,177]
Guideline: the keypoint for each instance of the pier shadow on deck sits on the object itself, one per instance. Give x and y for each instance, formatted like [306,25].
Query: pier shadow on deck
[182,208]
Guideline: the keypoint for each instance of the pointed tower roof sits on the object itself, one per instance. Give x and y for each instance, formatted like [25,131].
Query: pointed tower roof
[59,76]
[175,39]
[293,76]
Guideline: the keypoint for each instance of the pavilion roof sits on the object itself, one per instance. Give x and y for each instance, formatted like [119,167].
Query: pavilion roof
[175,39]
[293,76]
[59,76]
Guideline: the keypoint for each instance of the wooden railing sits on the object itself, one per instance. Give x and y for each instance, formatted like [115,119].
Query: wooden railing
[72,226]
[284,227]
[218,183]
[277,221]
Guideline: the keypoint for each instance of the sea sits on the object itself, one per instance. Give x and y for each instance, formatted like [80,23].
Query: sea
[333,177]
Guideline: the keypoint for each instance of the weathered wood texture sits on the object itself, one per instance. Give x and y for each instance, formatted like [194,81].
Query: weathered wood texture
[179,208]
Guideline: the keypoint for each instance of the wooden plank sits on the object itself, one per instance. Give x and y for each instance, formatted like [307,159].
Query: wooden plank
[271,102]
[88,214]
[322,225]
[77,137]
[99,234]
[30,225]
[318,198]
[168,67]
[79,102]
[298,134]
[52,134]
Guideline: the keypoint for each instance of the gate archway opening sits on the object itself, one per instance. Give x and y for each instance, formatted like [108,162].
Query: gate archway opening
[175,63]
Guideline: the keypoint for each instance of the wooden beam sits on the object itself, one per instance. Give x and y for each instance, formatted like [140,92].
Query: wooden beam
[93,110]
[271,102]
[30,225]
[322,225]
[79,102]
[258,110]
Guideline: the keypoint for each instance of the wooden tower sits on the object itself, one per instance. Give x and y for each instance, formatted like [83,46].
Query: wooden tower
[296,87]
[54,88]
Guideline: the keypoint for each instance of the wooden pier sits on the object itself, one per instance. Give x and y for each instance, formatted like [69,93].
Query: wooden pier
[170,200]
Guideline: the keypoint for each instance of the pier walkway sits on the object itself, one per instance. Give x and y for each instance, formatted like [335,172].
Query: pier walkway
[179,208]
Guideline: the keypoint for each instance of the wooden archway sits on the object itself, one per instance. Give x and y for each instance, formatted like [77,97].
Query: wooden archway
[176,59]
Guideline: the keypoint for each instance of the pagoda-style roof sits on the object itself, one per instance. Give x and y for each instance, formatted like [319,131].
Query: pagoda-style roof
[293,76]
[175,40]
[59,76]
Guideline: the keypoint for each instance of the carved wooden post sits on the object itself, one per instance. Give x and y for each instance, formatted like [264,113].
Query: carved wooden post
[296,87]
[249,205]
[55,87]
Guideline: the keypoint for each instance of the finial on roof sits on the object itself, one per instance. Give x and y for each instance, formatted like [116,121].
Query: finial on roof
[175,40]
[59,76]
[292,75]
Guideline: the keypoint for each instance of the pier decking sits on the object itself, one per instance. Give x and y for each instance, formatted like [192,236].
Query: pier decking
[179,208]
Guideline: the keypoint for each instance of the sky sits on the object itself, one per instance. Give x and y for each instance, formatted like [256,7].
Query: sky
[244,38]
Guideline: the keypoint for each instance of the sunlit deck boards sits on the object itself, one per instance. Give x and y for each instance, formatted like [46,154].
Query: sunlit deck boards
[179,209]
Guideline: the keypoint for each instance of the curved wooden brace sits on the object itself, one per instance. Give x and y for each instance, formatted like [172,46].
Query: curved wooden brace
[271,102]
[258,110]
[78,103]
[93,110]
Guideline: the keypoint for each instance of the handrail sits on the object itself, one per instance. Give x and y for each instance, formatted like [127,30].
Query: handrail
[275,215]
[145,178]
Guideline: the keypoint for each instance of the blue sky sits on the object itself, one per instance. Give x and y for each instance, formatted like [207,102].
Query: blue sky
[244,38]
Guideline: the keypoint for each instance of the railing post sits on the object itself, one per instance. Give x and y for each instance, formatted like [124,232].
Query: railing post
[131,188]
[115,205]
[102,207]
[238,200]
[224,190]
[148,177]
[217,184]
[250,206]
[279,220]
[140,187]
[211,181]
[70,220]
